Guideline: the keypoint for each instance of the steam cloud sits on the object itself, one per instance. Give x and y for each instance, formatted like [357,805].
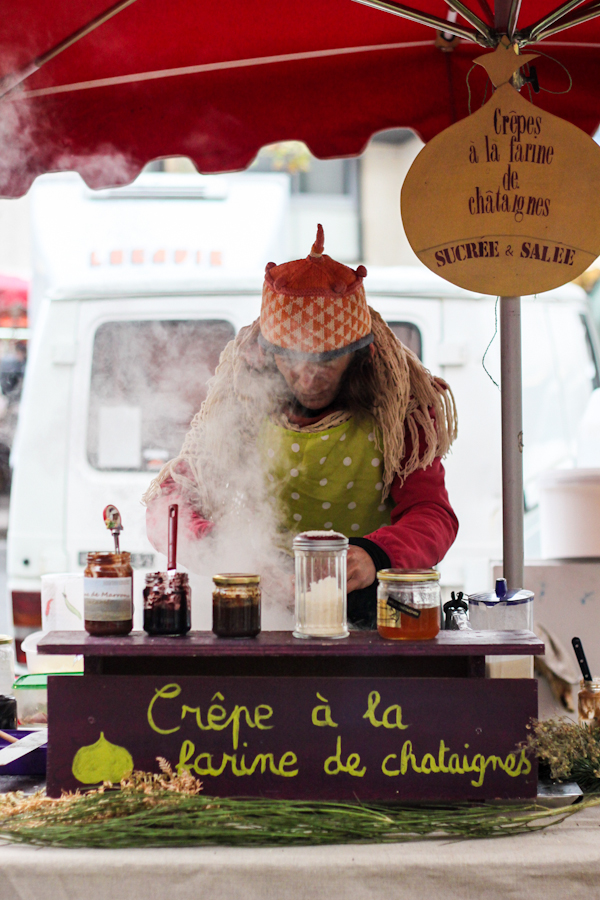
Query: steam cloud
[234,494]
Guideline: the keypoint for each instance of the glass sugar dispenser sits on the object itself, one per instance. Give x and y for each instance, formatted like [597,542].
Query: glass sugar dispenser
[320,584]
[408,604]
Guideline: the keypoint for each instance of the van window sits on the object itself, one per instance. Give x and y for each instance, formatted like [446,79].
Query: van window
[148,380]
[410,336]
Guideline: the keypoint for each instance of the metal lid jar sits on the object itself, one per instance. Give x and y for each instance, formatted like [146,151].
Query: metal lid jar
[408,604]
[108,593]
[589,702]
[236,605]
[321,584]
[510,611]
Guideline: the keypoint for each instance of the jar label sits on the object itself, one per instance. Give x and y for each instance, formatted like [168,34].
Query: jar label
[107,599]
[389,611]
[399,606]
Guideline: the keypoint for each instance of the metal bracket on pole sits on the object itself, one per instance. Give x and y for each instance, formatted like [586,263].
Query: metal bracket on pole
[512,440]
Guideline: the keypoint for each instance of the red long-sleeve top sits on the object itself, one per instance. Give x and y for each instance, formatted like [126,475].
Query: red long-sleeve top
[423,526]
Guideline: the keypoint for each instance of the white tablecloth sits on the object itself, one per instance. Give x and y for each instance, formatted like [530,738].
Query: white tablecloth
[562,862]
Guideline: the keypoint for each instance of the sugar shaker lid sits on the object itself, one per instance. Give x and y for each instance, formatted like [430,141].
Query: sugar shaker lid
[320,540]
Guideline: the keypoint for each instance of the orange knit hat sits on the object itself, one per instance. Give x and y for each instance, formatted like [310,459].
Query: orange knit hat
[314,307]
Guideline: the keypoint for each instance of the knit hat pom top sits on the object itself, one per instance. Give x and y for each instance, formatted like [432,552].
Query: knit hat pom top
[314,306]
[316,274]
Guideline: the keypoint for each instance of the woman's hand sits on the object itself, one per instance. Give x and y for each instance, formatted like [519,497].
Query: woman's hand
[361,569]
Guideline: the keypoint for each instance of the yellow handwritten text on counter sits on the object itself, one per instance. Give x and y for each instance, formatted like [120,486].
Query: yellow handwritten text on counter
[428,765]
[203,763]
[334,764]
[216,718]
[391,718]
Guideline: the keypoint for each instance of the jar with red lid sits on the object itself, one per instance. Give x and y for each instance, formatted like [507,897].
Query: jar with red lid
[108,594]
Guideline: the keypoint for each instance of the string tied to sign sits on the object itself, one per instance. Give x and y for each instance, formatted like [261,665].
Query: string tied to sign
[492,339]
[530,80]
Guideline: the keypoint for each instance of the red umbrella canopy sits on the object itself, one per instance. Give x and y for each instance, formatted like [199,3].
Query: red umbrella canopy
[217,81]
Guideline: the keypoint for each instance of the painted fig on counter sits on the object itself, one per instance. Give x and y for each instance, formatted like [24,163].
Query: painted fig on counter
[102,761]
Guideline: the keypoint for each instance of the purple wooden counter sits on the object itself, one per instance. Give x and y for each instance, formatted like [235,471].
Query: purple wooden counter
[451,653]
[360,718]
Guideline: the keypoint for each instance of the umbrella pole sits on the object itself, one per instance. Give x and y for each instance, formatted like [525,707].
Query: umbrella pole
[512,441]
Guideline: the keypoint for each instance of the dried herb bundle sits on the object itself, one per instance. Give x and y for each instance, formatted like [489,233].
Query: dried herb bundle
[167,810]
[570,751]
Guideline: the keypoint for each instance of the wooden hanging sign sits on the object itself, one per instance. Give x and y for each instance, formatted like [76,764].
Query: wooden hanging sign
[505,202]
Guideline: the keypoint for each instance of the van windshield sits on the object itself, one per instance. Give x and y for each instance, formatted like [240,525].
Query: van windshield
[148,380]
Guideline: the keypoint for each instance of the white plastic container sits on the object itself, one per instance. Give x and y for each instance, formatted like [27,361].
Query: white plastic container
[31,693]
[62,602]
[570,514]
[46,664]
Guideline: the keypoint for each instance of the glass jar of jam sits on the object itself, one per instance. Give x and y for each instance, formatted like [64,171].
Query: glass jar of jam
[408,604]
[167,603]
[589,702]
[236,605]
[108,594]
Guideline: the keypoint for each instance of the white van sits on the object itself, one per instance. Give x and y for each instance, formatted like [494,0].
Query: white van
[118,367]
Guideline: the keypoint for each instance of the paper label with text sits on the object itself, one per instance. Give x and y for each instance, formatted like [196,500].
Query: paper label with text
[107,599]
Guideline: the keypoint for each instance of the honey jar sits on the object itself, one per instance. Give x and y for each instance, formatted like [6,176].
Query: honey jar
[236,605]
[589,702]
[108,594]
[408,604]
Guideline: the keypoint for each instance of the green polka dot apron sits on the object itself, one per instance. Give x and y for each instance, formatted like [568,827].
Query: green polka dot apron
[331,479]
